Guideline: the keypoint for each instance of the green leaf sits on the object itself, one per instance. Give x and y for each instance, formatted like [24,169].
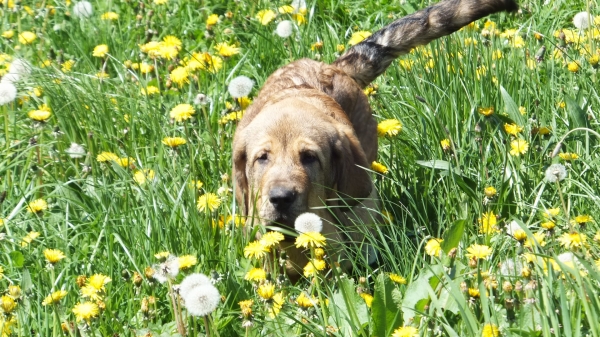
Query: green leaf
[417,293]
[512,109]
[453,236]
[577,116]
[17,259]
[435,164]
[384,311]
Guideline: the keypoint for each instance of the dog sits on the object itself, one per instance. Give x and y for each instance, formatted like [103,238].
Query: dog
[305,143]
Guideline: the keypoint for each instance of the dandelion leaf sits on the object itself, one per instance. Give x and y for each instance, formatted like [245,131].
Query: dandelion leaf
[17,259]
[435,164]
[417,294]
[453,236]
[351,307]
[577,116]
[385,312]
[512,109]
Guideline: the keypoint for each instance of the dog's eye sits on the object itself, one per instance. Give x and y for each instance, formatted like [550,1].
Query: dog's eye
[263,158]
[308,158]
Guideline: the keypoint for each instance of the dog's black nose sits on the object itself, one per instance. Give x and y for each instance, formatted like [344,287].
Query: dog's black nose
[281,197]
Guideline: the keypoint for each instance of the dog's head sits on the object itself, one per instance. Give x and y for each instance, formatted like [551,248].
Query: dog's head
[295,157]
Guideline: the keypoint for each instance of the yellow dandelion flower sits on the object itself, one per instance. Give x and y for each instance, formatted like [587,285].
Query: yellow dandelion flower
[313,266]
[397,278]
[358,37]
[246,307]
[299,18]
[537,239]
[27,239]
[305,301]
[265,16]
[548,225]
[100,50]
[518,147]
[180,76]
[256,275]
[276,304]
[266,291]
[433,247]
[573,67]
[166,52]
[406,64]
[27,37]
[53,255]
[226,50]
[150,90]
[125,162]
[54,297]
[486,111]
[106,156]
[172,41]
[97,281]
[182,112]
[522,110]
[212,20]
[145,68]
[141,176]
[101,75]
[173,141]
[368,299]
[490,330]
[551,212]
[476,251]
[160,2]
[67,66]
[85,311]
[244,102]
[7,304]
[187,261]
[389,127]
[310,239]
[445,143]
[110,16]
[8,34]
[208,202]
[488,223]
[379,167]
[37,206]
[582,219]
[593,60]
[406,331]
[568,156]
[255,250]
[490,191]
[41,114]
[573,240]
[271,239]
[512,129]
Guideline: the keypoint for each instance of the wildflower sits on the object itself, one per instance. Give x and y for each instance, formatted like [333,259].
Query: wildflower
[522,110]
[489,191]
[182,112]
[191,282]
[141,176]
[227,50]
[486,111]
[594,59]
[306,301]
[98,281]
[379,168]
[150,90]
[162,256]
[53,255]
[37,206]
[82,9]
[490,330]
[573,240]
[308,222]
[512,129]
[27,239]
[180,76]
[240,87]
[110,16]
[389,127]
[41,114]
[54,297]
[7,304]
[86,311]
[310,239]
[433,247]
[358,37]
[276,304]
[256,275]
[445,143]
[101,75]
[488,223]
[266,291]
[537,239]
[551,212]
[67,66]
[265,16]
[548,225]
[8,92]
[368,299]
[125,162]
[581,20]
[285,29]
[397,279]
[514,229]
[555,172]
[27,37]
[204,61]
[313,266]
[406,331]
[518,147]
[208,202]
[166,270]
[255,250]
[582,219]
[568,156]
[8,34]
[573,67]
[14,291]
[476,251]
[272,239]
[100,50]
[187,261]
[212,20]
[173,141]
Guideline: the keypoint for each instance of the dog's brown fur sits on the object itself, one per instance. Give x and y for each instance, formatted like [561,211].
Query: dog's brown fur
[305,141]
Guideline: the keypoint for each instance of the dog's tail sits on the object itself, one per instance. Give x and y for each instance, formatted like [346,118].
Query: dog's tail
[370,58]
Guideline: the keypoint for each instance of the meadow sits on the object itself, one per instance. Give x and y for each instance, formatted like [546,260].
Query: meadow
[116,203]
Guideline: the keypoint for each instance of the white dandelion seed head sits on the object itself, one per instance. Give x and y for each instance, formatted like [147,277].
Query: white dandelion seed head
[299,4]
[581,20]
[192,281]
[19,67]
[11,78]
[567,257]
[511,268]
[240,86]
[82,9]
[555,172]
[308,222]
[75,151]
[513,227]
[201,99]
[166,270]
[202,300]
[285,29]
[8,92]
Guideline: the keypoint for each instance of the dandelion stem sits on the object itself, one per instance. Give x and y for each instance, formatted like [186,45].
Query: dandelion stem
[562,200]
[176,311]
[206,325]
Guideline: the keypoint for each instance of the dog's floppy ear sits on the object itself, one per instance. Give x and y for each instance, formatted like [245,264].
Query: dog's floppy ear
[349,162]
[239,175]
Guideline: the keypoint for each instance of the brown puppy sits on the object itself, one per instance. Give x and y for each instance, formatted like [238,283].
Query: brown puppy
[304,144]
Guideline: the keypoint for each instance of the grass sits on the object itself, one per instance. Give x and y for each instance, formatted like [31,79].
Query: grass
[110,218]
